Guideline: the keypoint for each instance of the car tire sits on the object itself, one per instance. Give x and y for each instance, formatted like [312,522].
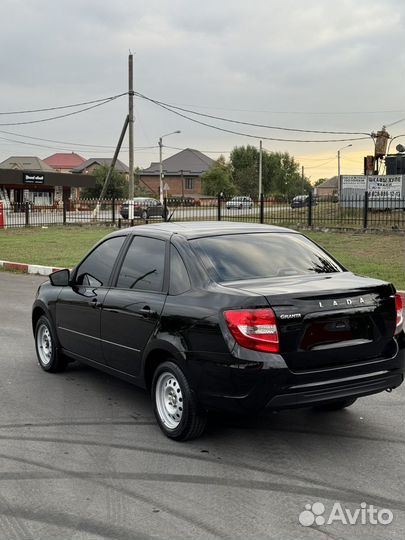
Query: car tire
[175,405]
[144,215]
[47,348]
[335,405]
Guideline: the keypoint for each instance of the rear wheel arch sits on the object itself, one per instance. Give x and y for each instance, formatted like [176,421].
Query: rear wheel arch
[156,357]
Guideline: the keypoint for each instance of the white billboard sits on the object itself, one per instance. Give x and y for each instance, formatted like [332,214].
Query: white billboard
[354,182]
[389,187]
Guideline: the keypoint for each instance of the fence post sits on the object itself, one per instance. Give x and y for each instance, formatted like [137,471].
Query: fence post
[165,211]
[113,211]
[27,214]
[365,210]
[64,211]
[310,209]
[219,207]
[261,208]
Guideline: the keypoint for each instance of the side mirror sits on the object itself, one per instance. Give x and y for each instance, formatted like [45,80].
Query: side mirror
[61,278]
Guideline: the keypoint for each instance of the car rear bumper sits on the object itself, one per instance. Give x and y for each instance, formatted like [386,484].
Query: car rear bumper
[250,388]
[307,395]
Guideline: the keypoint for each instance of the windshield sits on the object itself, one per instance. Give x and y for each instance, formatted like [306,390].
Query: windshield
[262,255]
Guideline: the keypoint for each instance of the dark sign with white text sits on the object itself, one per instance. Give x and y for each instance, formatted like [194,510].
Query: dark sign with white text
[33,178]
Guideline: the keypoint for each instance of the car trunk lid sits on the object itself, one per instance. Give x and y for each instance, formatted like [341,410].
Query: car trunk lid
[329,320]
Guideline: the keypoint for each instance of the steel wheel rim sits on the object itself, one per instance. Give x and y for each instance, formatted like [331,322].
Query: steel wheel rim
[44,343]
[169,400]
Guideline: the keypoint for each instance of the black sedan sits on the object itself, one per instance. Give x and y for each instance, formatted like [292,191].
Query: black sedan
[143,207]
[222,316]
[300,201]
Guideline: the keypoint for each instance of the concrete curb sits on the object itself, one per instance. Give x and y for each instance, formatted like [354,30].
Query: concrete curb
[28,268]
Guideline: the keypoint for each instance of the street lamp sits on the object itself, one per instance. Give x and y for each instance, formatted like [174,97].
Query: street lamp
[161,165]
[338,159]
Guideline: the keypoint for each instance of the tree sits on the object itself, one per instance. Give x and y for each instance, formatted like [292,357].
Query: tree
[319,181]
[244,162]
[280,172]
[117,186]
[218,179]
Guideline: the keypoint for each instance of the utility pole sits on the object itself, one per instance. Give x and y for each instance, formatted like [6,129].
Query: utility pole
[131,134]
[260,169]
[302,180]
[110,170]
[161,190]
[160,143]
[339,186]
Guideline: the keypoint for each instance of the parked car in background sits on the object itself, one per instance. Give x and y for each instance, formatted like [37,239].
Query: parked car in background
[144,208]
[302,200]
[210,316]
[182,201]
[240,202]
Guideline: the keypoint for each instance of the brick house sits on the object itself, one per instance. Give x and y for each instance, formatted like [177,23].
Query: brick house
[64,162]
[89,166]
[328,187]
[181,174]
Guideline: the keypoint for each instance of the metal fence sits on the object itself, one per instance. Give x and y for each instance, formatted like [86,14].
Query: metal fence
[350,212]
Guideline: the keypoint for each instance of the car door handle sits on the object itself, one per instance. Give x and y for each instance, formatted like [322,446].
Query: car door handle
[147,312]
[95,303]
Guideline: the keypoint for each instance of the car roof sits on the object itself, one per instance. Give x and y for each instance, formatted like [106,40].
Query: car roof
[199,229]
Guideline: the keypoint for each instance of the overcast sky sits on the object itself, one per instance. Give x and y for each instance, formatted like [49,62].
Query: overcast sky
[333,65]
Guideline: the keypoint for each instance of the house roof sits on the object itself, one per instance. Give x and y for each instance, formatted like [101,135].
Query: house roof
[62,160]
[102,162]
[25,163]
[329,183]
[187,161]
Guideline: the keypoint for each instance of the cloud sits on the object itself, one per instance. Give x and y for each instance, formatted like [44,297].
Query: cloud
[266,55]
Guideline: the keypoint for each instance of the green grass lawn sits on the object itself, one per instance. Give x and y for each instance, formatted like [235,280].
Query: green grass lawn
[377,255]
[54,246]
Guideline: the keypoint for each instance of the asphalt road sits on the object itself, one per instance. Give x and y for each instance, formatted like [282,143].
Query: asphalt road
[82,458]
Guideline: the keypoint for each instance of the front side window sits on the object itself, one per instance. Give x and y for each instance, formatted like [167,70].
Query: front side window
[262,255]
[96,269]
[143,265]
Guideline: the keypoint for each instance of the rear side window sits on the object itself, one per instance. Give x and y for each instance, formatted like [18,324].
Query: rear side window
[96,269]
[262,255]
[179,279]
[143,265]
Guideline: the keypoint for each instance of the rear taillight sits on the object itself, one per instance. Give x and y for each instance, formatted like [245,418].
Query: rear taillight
[254,328]
[399,308]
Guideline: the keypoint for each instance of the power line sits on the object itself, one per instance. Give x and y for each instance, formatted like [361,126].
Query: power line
[55,141]
[159,104]
[208,151]
[61,115]
[330,113]
[394,123]
[64,106]
[69,143]
[94,150]
[320,165]
[222,119]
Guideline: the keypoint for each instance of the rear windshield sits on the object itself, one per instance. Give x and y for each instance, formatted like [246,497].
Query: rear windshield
[262,255]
